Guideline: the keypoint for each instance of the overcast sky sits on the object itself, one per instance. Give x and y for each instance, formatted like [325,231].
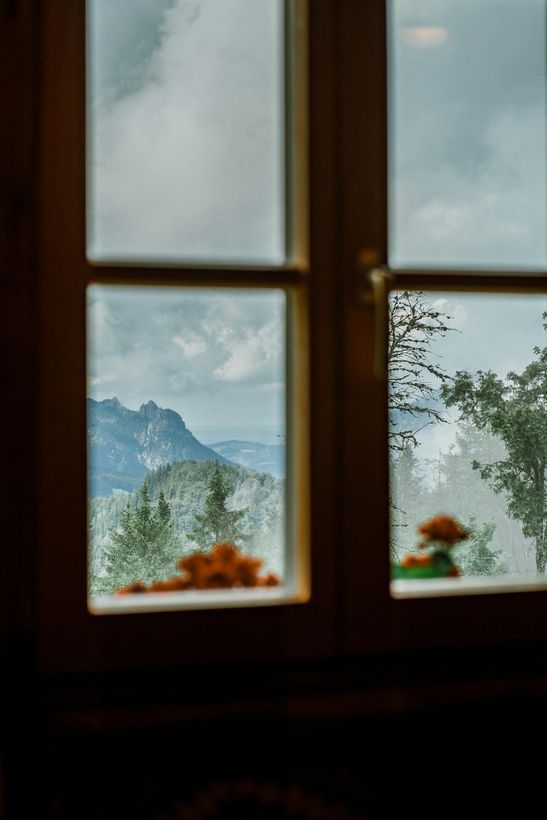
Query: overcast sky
[187,130]
[215,356]
[492,332]
[468,133]
[186,161]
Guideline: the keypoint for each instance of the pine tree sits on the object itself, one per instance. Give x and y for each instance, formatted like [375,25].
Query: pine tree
[164,534]
[144,547]
[217,523]
[164,510]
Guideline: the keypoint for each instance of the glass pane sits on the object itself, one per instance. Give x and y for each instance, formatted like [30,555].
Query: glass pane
[468,133]
[468,434]
[186,131]
[186,440]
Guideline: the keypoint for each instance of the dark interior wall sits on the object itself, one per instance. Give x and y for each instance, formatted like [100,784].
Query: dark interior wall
[383,736]
[328,741]
[451,733]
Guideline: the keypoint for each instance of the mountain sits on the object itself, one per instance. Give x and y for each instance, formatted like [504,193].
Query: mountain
[267,458]
[123,444]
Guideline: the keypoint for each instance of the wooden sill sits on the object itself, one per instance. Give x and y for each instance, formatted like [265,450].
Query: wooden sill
[471,585]
[193,599]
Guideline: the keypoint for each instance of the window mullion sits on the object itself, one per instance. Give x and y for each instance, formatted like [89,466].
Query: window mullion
[500,281]
[196,276]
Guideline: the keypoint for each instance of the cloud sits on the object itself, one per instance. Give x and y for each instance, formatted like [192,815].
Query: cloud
[251,356]
[188,164]
[494,216]
[468,153]
[192,345]
[104,378]
[218,352]
[455,309]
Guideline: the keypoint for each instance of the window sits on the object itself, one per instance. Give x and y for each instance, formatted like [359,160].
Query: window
[350,609]
[164,491]
[467,436]
[192,486]
[184,98]
[467,127]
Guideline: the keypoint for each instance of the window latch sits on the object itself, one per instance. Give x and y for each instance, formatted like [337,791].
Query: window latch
[373,283]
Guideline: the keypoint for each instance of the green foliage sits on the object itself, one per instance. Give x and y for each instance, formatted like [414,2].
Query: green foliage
[217,523]
[421,488]
[515,410]
[475,557]
[143,547]
[184,485]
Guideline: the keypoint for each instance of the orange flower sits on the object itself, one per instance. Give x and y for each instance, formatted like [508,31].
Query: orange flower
[221,568]
[137,586]
[269,580]
[174,584]
[218,575]
[197,567]
[442,528]
[247,571]
[224,551]
[411,561]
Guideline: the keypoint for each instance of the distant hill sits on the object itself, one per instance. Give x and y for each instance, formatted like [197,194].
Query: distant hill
[267,458]
[123,444]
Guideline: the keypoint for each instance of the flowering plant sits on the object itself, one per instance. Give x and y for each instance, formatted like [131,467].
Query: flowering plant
[221,567]
[433,558]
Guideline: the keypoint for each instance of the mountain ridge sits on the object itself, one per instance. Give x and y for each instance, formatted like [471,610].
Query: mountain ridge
[124,444]
[266,458]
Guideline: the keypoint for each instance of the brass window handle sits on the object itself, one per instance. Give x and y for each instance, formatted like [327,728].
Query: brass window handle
[373,286]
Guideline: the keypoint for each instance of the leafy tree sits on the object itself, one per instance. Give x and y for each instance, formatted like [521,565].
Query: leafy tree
[413,325]
[515,410]
[474,557]
[217,523]
[144,547]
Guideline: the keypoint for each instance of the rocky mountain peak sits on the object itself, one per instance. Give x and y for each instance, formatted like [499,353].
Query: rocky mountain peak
[125,443]
[114,403]
[149,410]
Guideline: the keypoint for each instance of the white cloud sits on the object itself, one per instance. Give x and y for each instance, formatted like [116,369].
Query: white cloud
[104,378]
[251,356]
[468,137]
[191,345]
[494,215]
[453,307]
[189,163]
[215,355]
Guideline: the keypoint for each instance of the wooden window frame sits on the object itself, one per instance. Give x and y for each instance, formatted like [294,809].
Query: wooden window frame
[351,611]
[375,620]
[69,637]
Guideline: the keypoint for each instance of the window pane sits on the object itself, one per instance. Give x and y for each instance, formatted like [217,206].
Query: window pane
[186,131]
[468,431]
[186,439]
[468,133]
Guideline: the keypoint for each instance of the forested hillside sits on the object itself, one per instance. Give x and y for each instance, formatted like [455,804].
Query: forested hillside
[184,485]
